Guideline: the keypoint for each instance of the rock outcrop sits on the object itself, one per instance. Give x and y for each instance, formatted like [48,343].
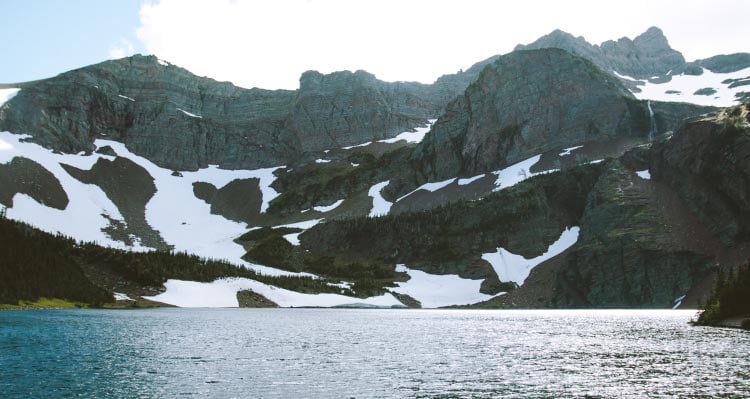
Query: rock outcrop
[24,176]
[649,54]
[185,122]
[130,187]
[708,163]
[523,104]
[346,108]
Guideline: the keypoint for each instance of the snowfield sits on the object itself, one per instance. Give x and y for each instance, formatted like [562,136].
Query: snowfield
[516,268]
[191,227]
[566,151]
[682,88]
[412,137]
[469,180]
[380,207]
[7,94]
[222,293]
[82,218]
[517,173]
[190,114]
[431,187]
[434,290]
[328,208]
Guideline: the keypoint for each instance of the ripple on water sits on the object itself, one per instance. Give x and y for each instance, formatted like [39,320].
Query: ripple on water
[338,353]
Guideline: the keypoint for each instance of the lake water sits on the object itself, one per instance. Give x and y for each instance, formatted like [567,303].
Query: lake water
[341,353]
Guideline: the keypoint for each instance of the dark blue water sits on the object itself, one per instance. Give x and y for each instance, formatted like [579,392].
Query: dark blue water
[311,353]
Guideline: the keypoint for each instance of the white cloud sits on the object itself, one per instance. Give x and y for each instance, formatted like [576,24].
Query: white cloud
[122,48]
[270,43]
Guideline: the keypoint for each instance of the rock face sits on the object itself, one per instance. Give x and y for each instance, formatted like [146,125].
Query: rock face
[719,64]
[130,187]
[708,163]
[148,106]
[240,200]
[22,175]
[649,54]
[646,242]
[346,108]
[525,103]
[251,299]
[185,122]
[628,252]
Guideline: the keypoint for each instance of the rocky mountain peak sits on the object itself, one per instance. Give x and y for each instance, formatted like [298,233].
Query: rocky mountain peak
[652,37]
[314,80]
[649,54]
[523,104]
[556,39]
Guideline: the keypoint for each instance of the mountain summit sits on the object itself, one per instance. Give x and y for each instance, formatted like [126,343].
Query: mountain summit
[649,54]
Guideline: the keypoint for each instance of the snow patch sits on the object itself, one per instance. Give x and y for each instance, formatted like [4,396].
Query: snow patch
[322,160]
[301,225]
[687,85]
[644,174]
[516,268]
[7,94]
[328,208]
[517,173]
[122,297]
[566,151]
[358,145]
[5,146]
[380,206]
[469,180]
[292,238]
[190,114]
[125,97]
[431,187]
[162,62]
[190,227]
[412,137]
[83,218]
[434,290]
[626,77]
[223,293]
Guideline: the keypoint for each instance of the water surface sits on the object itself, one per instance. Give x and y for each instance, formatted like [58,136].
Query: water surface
[341,353]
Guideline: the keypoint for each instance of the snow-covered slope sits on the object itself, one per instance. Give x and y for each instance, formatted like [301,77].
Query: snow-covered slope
[434,290]
[708,88]
[182,220]
[512,267]
[223,293]
[88,207]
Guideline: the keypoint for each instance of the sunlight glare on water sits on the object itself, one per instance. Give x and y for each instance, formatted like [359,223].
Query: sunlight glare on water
[337,353]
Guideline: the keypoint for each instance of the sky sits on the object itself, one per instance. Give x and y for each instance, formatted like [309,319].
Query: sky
[269,44]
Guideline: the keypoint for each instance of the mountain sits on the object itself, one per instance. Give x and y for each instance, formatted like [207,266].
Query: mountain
[653,70]
[649,54]
[185,122]
[538,178]
[526,103]
[661,220]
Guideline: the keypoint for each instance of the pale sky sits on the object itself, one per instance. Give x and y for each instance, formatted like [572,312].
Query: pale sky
[269,44]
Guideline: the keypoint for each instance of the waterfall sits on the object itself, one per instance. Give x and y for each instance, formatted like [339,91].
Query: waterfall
[652,128]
